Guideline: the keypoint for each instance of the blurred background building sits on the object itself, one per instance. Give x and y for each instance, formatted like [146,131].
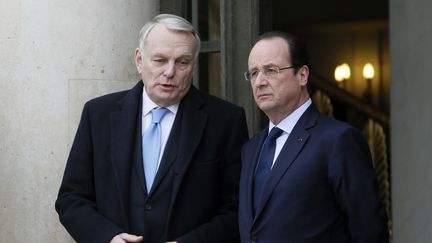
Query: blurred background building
[370,64]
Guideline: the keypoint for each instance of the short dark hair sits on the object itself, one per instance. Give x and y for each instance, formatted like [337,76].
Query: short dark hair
[297,49]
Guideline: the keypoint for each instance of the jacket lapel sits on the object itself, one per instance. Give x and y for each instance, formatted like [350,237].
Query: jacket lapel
[193,121]
[251,163]
[123,142]
[292,147]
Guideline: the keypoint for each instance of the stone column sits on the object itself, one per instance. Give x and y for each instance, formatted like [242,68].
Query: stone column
[54,55]
[411,120]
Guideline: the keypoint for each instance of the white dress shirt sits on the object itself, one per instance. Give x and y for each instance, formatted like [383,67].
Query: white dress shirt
[287,125]
[166,123]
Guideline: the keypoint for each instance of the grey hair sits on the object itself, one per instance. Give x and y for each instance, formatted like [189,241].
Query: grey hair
[173,23]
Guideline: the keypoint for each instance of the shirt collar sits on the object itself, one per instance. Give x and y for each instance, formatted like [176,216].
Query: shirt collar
[288,123]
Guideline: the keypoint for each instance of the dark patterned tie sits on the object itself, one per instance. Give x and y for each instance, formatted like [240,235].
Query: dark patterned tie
[264,165]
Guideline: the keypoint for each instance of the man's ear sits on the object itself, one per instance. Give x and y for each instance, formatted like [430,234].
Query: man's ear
[138,60]
[303,75]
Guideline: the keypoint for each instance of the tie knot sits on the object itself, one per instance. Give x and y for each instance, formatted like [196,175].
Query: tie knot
[158,114]
[274,133]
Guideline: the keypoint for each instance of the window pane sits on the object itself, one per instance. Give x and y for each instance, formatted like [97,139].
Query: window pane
[209,73]
[209,20]
[206,15]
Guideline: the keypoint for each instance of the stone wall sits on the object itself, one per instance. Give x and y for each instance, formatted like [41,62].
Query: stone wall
[54,55]
[411,120]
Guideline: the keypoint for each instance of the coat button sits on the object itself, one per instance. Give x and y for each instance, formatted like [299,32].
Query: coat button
[147,207]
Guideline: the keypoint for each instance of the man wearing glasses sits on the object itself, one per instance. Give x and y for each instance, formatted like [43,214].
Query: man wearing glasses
[306,177]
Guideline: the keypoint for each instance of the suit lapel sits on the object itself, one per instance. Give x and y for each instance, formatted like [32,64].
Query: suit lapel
[251,163]
[292,147]
[193,121]
[123,129]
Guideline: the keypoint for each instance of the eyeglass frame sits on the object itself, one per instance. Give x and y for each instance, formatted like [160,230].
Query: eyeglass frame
[264,70]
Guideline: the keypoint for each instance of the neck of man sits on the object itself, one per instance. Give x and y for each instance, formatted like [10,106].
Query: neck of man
[278,115]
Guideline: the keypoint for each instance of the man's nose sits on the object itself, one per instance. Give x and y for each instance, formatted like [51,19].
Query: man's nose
[260,79]
[170,69]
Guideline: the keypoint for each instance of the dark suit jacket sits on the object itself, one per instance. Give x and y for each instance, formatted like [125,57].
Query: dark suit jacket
[201,162]
[322,187]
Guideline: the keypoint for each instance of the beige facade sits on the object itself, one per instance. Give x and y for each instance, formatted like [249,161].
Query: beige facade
[54,55]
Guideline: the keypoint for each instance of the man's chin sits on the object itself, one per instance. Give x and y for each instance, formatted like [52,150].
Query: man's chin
[265,105]
[166,99]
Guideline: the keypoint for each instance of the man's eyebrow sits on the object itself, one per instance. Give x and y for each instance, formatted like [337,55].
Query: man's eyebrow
[186,56]
[265,66]
[158,54]
[270,65]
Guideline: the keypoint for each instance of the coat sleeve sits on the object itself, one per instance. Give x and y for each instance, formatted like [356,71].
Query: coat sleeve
[354,182]
[76,203]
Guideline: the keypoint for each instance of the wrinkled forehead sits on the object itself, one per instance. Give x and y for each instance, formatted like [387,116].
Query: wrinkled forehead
[267,52]
[162,36]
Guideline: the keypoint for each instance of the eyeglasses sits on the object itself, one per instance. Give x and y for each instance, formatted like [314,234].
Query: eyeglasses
[268,72]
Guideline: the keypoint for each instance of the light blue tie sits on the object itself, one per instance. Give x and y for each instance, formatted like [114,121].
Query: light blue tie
[151,145]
